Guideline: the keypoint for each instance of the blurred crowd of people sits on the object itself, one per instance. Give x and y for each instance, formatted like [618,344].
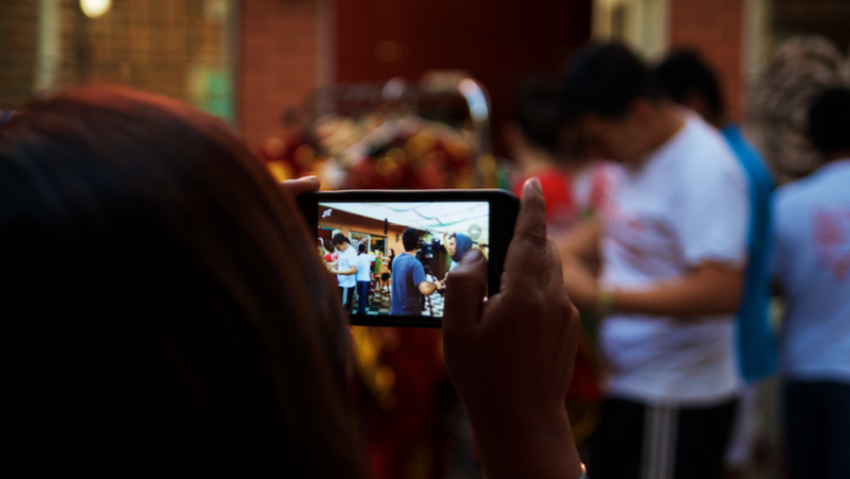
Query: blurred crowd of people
[674,239]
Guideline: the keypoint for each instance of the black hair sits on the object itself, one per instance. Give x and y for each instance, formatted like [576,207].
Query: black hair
[340,238]
[684,72]
[605,79]
[156,229]
[361,248]
[410,239]
[829,121]
[536,112]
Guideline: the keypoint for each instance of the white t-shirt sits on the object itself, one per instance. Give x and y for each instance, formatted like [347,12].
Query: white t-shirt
[811,260]
[592,183]
[345,261]
[687,203]
[364,266]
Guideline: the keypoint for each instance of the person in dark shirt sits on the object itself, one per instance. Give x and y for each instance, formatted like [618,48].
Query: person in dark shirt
[409,281]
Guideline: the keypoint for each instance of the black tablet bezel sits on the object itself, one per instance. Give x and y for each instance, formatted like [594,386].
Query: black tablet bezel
[504,207]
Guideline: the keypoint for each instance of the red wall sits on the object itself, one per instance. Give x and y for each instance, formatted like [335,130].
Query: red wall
[716,29]
[277,63]
[498,42]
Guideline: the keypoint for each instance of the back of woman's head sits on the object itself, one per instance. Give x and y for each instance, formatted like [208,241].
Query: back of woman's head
[159,302]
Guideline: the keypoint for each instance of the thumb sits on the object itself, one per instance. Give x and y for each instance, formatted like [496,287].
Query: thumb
[299,186]
[465,290]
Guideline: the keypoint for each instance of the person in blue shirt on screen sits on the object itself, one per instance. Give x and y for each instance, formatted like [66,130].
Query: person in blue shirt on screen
[410,283]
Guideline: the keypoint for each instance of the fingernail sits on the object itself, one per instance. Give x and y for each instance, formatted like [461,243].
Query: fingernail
[310,177]
[535,184]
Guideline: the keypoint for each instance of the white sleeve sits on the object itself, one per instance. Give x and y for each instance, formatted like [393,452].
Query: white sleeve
[712,211]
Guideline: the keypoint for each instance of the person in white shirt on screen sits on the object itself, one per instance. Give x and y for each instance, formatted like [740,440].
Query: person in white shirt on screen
[811,266]
[364,277]
[672,239]
[345,270]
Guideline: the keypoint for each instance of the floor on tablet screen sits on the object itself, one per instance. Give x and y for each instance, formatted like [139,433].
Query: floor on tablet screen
[380,305]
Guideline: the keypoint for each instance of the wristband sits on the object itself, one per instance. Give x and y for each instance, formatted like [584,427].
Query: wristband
[604,301]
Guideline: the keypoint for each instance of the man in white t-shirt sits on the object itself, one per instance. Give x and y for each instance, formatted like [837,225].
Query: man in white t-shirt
[345,270]
[811,265]
[364,277]
[672,242]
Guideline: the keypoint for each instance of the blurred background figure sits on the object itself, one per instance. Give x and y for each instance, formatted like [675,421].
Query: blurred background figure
[811,265]
[801,67]
[533,136]
[672,242]
[690,81]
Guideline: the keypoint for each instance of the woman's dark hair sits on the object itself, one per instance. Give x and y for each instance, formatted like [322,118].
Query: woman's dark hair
[410,239]
[684,72]
[361,248]
[829,121]
[605,78]
[159,303]
[536,112]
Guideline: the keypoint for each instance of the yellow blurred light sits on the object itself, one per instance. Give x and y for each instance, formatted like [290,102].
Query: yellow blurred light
[386,166]
[384,378]
[280,170]
[275,147]
[305,154]
[95,8]
[416,145]
[487,165]
[396,154]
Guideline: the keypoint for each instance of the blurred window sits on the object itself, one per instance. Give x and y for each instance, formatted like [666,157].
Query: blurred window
[181,48]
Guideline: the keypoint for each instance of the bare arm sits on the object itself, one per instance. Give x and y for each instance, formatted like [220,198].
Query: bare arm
[347,272]
[427,288]
[581,241]
[711,288]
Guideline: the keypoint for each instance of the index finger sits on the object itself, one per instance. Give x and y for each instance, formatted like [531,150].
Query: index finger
[299,186]
[528,255]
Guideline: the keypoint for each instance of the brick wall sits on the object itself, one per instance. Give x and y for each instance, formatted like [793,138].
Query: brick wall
[716,29]
[277,63]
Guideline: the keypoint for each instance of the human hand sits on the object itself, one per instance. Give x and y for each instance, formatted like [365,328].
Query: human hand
[299,186]
[511,359]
